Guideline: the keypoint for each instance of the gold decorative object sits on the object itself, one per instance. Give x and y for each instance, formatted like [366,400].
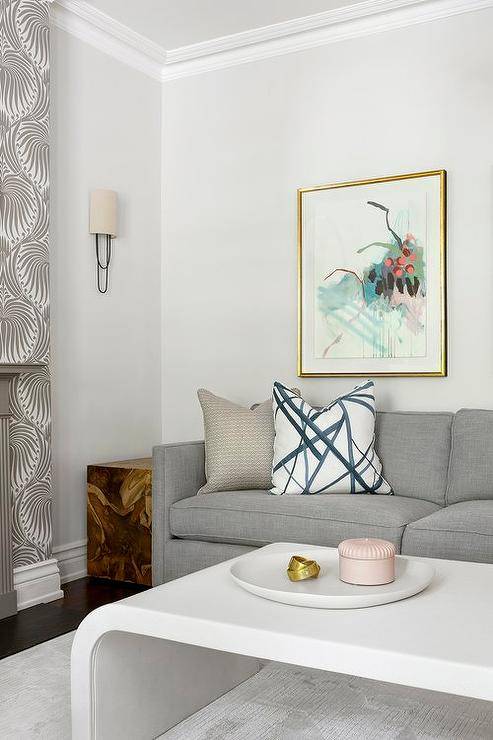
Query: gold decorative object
[300,568]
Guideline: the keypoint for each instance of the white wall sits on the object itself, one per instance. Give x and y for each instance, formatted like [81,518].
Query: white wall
[106,348]
[239,142]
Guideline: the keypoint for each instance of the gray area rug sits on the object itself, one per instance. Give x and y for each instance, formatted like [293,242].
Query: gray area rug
[279,703]
[35,692]
[288,703]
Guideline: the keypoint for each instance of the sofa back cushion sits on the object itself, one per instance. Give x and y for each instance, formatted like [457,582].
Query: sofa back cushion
[471,461]
[414,449]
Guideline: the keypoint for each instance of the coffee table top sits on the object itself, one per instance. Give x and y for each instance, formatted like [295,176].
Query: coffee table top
[440,639]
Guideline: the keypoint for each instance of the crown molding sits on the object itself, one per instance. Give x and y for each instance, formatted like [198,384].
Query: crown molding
[109,36]
[362,19]
[288,28]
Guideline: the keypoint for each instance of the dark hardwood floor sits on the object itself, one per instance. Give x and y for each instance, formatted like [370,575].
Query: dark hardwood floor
[44,622]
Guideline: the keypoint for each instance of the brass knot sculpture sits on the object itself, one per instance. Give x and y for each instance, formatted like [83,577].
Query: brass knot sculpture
[300,568]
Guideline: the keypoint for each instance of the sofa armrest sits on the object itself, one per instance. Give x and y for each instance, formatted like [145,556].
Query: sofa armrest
[178,471]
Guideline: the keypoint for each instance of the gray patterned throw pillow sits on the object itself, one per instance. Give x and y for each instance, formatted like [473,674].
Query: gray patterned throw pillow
[239,444]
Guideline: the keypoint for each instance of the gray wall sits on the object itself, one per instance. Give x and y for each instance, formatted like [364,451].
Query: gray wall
[239,142]
[106,363]
[24,282]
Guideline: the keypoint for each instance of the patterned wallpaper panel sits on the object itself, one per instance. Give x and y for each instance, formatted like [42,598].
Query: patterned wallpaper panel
[24,284]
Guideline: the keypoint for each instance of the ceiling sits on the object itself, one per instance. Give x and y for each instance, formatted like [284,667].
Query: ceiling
[175,23]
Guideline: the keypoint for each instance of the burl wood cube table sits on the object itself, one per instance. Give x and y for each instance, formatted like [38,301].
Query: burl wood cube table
[119,521]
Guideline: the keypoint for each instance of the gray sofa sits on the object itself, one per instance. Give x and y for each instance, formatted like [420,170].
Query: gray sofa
[440,466]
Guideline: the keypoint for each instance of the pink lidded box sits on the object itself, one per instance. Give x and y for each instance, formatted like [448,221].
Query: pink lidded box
[366,562]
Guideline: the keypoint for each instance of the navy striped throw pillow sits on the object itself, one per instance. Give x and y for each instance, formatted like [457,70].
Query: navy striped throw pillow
[327,450]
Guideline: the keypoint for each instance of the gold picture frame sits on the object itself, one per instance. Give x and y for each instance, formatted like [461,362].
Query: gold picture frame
[436,364]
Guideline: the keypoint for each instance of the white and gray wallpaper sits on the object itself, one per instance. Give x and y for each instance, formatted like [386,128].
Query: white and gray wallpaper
[24,284]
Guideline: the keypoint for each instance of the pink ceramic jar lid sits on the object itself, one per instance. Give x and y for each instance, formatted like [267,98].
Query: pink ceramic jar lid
[367,549]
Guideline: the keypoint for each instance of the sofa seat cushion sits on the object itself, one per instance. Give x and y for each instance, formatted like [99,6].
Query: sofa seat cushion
[462,531]
[257,518]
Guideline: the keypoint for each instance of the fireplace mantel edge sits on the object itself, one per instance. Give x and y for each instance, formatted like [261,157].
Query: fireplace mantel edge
[8,597]
[11,369]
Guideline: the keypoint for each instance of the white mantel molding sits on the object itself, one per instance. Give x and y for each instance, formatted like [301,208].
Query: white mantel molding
[362,19]
[9,602]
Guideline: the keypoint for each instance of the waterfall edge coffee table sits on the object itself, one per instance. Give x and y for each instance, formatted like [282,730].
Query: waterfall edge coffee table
[143,664]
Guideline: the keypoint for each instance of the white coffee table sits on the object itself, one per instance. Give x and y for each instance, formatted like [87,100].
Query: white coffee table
[141,665]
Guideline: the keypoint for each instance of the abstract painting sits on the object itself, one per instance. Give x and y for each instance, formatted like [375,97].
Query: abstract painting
[372,277]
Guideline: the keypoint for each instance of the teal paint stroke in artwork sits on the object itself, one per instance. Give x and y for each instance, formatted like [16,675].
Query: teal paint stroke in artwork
[368,337]
[361,323]
[341,294]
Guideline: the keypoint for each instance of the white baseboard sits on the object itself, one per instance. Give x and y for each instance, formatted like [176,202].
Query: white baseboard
[38,583]
[72,560]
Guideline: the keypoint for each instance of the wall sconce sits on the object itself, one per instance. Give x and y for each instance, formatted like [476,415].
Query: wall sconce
[102,223]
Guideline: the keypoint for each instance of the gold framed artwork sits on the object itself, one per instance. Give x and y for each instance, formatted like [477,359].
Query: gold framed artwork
[372,277]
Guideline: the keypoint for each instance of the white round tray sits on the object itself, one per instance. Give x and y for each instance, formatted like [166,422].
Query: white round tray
[265,575]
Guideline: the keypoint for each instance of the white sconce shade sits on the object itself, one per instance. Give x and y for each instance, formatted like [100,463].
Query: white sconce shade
[103,212]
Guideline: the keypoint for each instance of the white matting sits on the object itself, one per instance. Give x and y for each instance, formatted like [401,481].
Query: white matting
[279,703]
